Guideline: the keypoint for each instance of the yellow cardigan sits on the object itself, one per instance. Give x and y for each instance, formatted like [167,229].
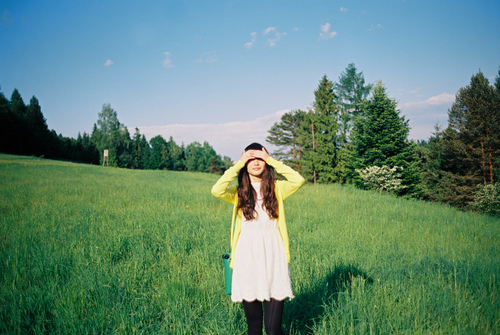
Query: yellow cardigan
[283,189]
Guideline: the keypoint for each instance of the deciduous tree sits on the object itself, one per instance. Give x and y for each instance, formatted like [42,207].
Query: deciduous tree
[351,91]
[110,134]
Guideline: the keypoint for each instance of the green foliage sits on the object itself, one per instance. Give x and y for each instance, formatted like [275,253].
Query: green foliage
[351,93]
[86,249]
[319,136]
[203,158]
[381,138]
[112,135]
[471,143]
[487,199]
[286,135]
[382,178]
[23,130]
[431,158]
[141,151]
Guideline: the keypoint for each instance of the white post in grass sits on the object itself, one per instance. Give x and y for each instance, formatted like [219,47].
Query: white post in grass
[105,158]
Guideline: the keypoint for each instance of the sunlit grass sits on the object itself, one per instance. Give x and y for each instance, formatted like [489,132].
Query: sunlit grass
[86,249]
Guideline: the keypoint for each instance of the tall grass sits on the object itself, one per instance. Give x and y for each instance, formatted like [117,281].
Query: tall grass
[86,249]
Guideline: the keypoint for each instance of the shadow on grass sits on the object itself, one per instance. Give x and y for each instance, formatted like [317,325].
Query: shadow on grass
[308,307]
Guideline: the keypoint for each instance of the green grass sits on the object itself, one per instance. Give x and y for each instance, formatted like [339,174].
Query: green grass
[92,250]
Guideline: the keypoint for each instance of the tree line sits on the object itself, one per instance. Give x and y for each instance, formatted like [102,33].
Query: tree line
[353,133]
[24,131]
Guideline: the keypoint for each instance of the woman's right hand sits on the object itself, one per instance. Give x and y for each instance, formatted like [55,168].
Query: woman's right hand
[246,156]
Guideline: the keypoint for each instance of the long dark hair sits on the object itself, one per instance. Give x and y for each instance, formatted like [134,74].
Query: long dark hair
[247,197]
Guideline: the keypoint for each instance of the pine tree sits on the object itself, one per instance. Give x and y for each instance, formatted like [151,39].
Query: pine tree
[471,147]
[285,135]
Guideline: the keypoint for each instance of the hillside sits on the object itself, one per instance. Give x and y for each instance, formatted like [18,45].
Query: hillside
[87,249]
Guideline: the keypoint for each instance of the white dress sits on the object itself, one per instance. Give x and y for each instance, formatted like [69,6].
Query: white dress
[260,269]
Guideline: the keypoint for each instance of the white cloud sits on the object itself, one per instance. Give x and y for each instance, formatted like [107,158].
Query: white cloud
[228,139]
[167,62]
[377,26]
[343,9]
[207,57]
[250,44]
[268,30]
[277,36]
[441,99]
[325,33]
[109,62]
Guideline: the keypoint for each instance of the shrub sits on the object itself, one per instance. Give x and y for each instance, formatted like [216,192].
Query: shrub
[487,199]
[382,178]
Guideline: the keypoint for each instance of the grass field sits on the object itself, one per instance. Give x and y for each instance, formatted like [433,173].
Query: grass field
[92,250]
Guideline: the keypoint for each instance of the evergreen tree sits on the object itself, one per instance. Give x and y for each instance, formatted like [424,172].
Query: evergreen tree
[146,153]
[351,92]
[471,147]
[19,129]
[324,134]
[90,154]
[124,149]
[326,124]
[381,138]
[7,122]
[138,150]
[37,130]
[432,166]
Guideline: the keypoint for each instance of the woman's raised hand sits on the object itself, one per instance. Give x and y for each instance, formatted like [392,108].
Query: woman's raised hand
[254,154]
[261,154]
[246,156]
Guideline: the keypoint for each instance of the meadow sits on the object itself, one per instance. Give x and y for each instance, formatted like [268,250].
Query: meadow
[92,250]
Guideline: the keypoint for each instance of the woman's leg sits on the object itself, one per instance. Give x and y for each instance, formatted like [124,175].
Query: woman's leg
[273,311]
[253,313]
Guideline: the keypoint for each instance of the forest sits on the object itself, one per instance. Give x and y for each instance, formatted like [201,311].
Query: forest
[24,131]
[352,134]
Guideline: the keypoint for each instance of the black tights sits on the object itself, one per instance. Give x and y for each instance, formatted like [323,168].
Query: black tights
[273,310]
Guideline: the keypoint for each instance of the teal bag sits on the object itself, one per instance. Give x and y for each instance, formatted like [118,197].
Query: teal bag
[228,272]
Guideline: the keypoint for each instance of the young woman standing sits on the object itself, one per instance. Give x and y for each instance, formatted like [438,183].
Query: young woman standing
[259,239]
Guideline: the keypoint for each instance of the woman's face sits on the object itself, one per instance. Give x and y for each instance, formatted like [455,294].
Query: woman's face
[255,168]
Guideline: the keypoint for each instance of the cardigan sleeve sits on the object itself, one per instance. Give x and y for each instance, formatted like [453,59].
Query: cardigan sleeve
[221,189]
[293,179]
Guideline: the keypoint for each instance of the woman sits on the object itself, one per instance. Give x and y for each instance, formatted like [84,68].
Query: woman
[259,239]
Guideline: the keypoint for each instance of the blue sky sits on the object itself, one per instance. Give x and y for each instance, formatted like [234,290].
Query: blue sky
[224,71]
